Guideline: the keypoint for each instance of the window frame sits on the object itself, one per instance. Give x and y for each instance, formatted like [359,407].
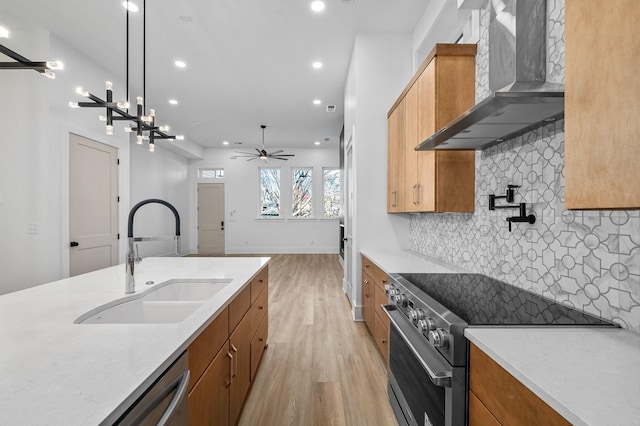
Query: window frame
[260,203]
[292,170]
[324,193]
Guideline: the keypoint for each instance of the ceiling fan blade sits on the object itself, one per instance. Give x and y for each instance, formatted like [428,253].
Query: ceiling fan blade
[286,155]
[276,152]
[246,153]
[279,158]
[254,158]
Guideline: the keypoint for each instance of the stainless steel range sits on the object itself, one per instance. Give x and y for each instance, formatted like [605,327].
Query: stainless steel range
[428,352]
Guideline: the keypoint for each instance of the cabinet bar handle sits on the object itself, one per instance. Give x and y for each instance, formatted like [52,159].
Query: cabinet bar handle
[230,369]
[235,369]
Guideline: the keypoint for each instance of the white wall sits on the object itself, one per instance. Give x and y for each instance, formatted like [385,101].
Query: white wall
[381,66]
[244,231]
[164,175]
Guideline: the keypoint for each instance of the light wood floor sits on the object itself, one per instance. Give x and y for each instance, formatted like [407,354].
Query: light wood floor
[321,367]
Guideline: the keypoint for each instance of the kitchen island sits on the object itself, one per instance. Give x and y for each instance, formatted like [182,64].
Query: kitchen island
[55,371]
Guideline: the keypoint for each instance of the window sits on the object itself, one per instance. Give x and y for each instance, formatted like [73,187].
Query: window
[269,192]
[331,192]
[301,193]
[211,173]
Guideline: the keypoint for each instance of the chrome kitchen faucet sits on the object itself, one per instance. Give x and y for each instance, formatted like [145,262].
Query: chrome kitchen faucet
[132,258]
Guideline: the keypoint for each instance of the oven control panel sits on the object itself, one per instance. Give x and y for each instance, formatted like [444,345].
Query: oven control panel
[431,324]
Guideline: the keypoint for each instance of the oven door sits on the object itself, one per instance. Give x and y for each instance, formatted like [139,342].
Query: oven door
[427,389]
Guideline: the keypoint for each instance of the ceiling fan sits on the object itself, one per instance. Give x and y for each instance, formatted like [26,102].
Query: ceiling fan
[262,153]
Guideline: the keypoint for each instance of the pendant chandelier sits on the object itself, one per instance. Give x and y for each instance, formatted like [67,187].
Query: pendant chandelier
[21,63]
[142,123]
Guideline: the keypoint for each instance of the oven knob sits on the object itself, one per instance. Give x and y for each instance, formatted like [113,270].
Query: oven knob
[388,288]
[440,338]
[393,292]
[416,315]
[401,299]
[426,325]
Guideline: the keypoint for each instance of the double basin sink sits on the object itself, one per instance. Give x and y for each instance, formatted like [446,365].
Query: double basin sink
[168,302]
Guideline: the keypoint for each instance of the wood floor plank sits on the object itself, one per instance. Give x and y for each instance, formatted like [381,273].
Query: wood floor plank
[321,367]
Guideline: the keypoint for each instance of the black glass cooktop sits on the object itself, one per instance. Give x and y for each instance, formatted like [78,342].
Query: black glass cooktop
[481,300]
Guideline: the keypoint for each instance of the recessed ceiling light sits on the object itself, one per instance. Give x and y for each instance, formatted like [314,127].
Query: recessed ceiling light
[225,142]
[130,6]
[317,65]
[316,143]
[317,6]
[180,64]
[317,101]
[4,33]
[173,102]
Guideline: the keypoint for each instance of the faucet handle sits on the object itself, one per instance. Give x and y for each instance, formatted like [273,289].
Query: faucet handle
[137,259]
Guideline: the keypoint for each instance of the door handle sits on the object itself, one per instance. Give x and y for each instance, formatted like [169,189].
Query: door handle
[222,225]
[73,244]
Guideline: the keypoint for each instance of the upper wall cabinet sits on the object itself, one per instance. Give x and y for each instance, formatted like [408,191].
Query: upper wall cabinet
[432,181]
[602,92]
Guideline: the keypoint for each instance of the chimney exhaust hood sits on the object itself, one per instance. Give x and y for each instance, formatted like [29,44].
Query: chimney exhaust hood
[521,99]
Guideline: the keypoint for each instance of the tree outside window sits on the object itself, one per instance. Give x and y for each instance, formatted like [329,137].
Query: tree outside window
[331,192]
[301,192]
[270,192]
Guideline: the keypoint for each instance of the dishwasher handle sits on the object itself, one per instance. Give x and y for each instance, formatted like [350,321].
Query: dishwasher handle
[180,384]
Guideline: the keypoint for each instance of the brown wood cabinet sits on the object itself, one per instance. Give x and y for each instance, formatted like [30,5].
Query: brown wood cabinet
[240,347]
[601,104]
[209,398]
[432,181]
[224,358]
[373,297]
[396,160]
[496,394]
[367,300]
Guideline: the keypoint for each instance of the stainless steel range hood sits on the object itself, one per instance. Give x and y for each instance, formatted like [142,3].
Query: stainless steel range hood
[521,98]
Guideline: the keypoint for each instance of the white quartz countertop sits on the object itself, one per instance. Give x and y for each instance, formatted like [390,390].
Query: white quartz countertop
[55,372]
[406,262]
[591,376]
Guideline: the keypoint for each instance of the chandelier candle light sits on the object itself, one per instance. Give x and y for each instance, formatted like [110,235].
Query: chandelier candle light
[144,125]
[22,63]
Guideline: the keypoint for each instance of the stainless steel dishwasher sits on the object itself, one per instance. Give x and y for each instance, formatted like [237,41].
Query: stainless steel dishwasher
[165,403]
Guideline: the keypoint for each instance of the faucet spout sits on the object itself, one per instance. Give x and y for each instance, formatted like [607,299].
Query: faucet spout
[130,286]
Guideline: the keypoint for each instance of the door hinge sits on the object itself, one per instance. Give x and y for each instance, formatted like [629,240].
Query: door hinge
[118,161]
[118,198]
[118,236]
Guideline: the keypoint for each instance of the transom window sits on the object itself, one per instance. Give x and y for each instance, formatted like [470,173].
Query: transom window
[211,173]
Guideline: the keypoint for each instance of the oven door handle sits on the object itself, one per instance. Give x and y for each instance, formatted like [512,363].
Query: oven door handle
[440,378]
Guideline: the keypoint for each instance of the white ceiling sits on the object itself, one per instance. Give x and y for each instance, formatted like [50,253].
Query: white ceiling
[248,61]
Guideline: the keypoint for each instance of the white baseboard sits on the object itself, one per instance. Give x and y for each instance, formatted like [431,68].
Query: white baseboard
[282,250]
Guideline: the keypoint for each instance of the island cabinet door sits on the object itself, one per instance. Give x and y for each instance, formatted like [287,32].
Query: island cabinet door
[209,398]
[240,346]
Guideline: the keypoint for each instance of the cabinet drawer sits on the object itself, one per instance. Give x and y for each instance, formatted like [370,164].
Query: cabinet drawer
[259,344]
[380,298]
[382,337]
[206,345]
[238,307]
[259,309]
[259,283]
[367,265]
[478,413]
[381,278]
[508,400]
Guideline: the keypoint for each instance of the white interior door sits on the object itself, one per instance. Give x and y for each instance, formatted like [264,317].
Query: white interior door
[348,230]
[93,205]
[211,218]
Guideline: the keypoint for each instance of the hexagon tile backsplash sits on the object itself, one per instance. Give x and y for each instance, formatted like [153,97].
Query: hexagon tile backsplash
[586,259]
